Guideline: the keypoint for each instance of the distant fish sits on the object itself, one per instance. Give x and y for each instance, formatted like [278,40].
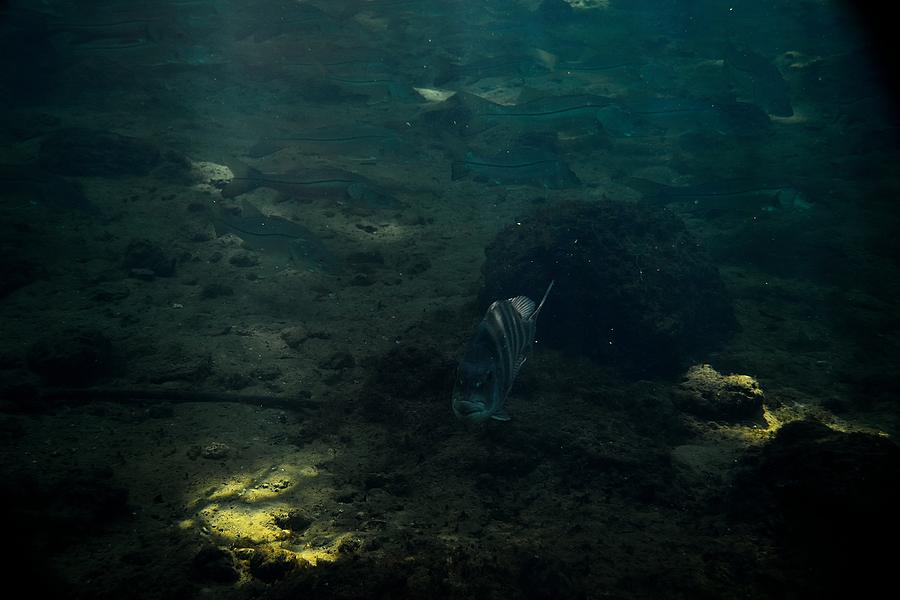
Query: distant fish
[364,139]
[496,352]
[523,166]
[276,237]
[732,195]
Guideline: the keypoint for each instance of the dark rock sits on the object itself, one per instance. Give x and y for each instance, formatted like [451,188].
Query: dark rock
[244,259]
[215,565]
[18,395]
[142,274]
[338,361]
[269,373]
[16,271]
[236,381]
[272,565]
[830,499]
[72,357]
[294,520]
[295,336]
[365,258]
[25,125]
[416,265]
[110,292]
[81,502]
[91,152]
[215,290]
[406,382]
[633,288]
[178,367]
[148,256]
[362,280]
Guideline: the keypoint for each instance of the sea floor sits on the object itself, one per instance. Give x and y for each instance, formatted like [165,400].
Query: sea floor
[262,427]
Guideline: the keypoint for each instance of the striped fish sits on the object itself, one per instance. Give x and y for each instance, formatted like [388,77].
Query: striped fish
[493,358]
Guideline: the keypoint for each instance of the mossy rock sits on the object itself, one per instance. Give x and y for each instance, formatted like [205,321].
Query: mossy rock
[634,289]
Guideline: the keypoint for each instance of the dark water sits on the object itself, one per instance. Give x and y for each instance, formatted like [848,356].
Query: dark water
[245,246]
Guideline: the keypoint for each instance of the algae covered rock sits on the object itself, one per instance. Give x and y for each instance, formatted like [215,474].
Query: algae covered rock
[707,393]
[634,289]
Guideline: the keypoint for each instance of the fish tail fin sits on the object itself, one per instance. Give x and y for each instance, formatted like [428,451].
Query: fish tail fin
[245,179]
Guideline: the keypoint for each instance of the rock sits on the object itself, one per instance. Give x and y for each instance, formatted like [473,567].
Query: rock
[338,361]
[142,274]
[244,259]
[634,289]
[294,520]
[216,451]
[110,292]
[143,256]
[268,373]
[707,393]
[272,564]
[72,357]
[362,280]
[178,367]
[372,257]
[830,500]
[16,271]
[408,383]
[215,290]
[295,336]
[215,565]
[91,152]
[235,381]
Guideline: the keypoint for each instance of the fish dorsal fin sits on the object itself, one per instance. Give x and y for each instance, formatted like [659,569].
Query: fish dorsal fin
[544,299]
[523,305]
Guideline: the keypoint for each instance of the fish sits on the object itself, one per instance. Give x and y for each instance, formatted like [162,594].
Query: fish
[495,355]
[731,195]
[760,79]
[540,108]
[372,140]
[528,62]
[301,183]
[312,184]
[525,166]
[276,236]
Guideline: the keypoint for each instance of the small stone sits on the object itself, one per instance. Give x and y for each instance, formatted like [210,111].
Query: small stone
[244,259]
[362,280]
[149,256]
[215,290]
[142,274]
[295,336]
[216,451]
[338,361]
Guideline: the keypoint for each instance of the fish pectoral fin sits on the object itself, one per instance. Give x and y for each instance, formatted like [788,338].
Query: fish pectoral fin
[501,415]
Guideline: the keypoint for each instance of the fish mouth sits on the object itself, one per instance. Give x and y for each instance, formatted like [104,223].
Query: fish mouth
[473,409]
